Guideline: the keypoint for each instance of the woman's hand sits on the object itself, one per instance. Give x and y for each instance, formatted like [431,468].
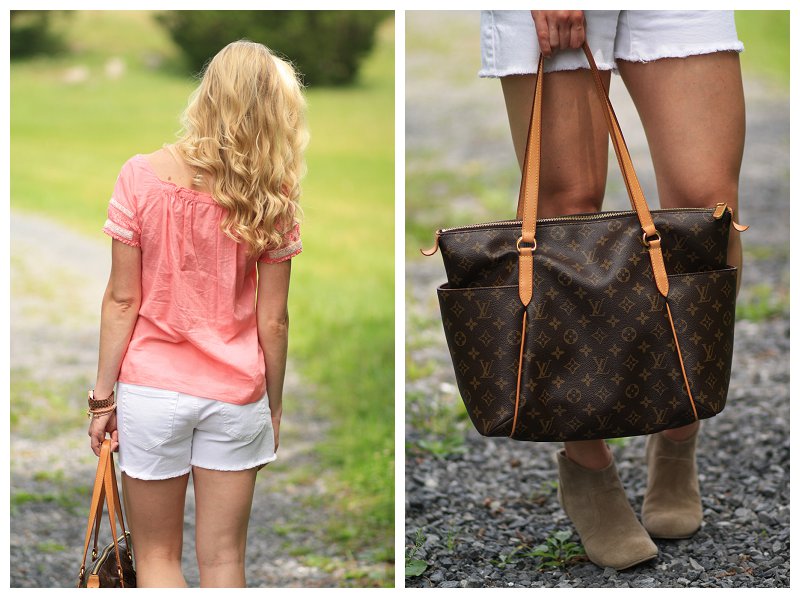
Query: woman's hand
[98,428]
[559,29]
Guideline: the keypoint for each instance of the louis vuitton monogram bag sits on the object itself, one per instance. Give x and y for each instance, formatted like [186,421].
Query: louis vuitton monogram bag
[589,326]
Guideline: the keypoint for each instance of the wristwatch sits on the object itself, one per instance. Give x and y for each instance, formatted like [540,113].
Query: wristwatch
[100,403]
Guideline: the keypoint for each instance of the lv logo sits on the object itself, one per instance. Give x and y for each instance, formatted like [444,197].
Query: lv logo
[597,307]
[709,349]
[653,302]
[679,243]
[591,256]
[602,365]
[658,360]
[705,292]
[486,369]
[538,311]
[544,369]
[661,415]
[483,310]
[603,421]
[547,425]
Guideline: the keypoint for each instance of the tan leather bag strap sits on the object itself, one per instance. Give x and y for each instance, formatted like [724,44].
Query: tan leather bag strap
[117,503]
[112,502]
[96,504]
[529,187]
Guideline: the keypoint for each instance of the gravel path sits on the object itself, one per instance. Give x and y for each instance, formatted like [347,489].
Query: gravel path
[57,286]
[474,513]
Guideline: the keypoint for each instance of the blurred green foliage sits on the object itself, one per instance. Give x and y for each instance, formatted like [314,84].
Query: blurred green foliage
[765,34]
[327,46]
[31,32]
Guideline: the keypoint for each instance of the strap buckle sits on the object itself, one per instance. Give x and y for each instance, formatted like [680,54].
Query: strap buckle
[532,248]
[646,241]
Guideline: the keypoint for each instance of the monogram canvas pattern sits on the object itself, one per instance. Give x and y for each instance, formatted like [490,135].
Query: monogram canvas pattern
[599,358]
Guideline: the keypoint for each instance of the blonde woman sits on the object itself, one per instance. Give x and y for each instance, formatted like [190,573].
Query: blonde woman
[194,325]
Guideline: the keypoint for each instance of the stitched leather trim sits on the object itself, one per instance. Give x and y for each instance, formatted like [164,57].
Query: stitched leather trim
[680,359]
[112,502]
[519,371]
[525,275]
[740,227]
[659,269]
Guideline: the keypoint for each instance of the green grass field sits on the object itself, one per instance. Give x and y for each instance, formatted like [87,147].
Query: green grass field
[765,35]
[68,142]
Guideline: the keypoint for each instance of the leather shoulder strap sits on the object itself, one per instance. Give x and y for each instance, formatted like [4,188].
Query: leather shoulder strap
[96,506]
[529,187]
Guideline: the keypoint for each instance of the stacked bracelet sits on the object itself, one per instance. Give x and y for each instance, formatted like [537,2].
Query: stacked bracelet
[100,403]
[95,413]
[100,407]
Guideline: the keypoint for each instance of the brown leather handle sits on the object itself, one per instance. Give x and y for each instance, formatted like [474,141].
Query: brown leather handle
[529,186]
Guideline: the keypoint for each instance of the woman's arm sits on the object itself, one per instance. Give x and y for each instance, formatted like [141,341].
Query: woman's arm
[119,312]
[272,316]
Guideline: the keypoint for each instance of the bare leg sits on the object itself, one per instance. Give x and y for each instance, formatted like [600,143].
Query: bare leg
[574,167]
[223,500]
[692,110]
[154,510]
[574,139]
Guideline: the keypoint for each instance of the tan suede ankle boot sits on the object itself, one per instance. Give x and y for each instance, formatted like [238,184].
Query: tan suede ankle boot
[672,507]
[596,503]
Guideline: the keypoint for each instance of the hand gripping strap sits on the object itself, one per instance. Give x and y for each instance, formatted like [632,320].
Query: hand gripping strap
[529,186]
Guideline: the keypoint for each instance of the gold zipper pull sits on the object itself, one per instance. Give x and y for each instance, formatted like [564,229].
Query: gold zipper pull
[720,210]
[432,250]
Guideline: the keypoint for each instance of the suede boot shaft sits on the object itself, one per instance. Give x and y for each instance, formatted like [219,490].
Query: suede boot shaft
[672,508]
[595,501]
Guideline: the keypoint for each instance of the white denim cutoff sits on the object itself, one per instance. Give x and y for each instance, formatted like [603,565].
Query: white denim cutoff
[509,45]
[163,433]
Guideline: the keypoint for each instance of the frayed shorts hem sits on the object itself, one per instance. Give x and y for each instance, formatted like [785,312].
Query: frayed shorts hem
[517,71]
[251,465]
[148,478]
[169,476]
[521,70]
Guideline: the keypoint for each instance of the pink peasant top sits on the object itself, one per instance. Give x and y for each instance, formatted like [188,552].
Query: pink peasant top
[196,332]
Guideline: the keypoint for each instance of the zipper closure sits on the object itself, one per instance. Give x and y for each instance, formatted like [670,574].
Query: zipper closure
[104,555]
[718,211]
[598,216]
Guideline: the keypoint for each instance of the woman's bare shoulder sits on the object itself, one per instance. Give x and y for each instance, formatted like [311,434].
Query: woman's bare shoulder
[167,166]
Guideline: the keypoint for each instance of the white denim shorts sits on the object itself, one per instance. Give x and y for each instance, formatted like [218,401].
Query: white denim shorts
[509,45]
[163,433]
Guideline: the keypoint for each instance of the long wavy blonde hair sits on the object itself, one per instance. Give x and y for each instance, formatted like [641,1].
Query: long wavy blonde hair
[244,129]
